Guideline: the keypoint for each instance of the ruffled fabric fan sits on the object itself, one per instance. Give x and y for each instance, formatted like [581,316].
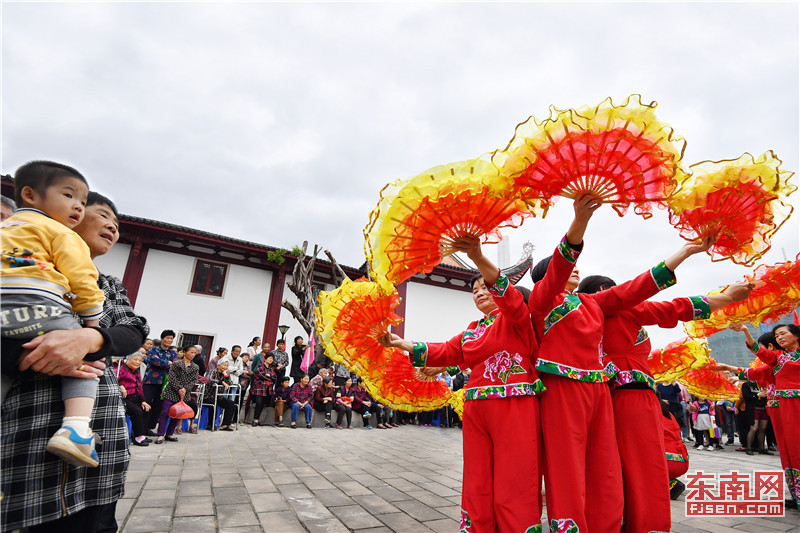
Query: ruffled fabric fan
[622,154]
[678,358]
[349,320]
[709,383]
[742,202]
[416,220]
[776,293]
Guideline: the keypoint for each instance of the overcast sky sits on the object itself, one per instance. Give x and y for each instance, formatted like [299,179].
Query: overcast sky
[280,123]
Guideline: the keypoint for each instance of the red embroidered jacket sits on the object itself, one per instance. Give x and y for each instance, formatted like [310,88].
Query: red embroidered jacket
[785,369]
[673,445]
[500,348]
[626,343]
[570,330]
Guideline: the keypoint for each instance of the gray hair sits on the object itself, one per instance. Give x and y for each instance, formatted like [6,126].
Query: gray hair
[8,202]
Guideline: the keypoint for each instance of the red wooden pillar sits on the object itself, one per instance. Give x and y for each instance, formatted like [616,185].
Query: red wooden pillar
[400,329]
[134,269]
[274,307]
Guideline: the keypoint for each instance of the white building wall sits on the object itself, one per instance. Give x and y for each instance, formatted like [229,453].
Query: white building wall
[235,318]
[113,263]
[435,314]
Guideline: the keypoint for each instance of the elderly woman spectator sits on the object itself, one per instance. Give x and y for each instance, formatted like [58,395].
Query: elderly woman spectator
[282,399]
[300,394]
[130,383]
[340,374]
[344,403]
[317,380]
[219,379]
[200,360]
[214,361]
[263,384]
[363,403]
[325,399]
[182,377]
[158,360]
[33,488]
[7,207]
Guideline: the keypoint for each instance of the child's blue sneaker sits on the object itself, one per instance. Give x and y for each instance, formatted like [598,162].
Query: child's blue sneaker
[74,449]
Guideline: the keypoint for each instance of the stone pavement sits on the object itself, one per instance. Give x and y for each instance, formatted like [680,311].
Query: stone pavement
[406,479]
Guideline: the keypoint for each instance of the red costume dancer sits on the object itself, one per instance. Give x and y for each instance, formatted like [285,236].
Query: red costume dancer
[676,453]
[581,457]
[785,366]
[637,413]
[502,478]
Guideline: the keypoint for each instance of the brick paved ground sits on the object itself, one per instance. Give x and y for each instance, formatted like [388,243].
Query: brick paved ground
[405,479]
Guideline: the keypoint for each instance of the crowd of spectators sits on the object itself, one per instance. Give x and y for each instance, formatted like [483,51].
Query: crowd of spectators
[236,381]
[745,418]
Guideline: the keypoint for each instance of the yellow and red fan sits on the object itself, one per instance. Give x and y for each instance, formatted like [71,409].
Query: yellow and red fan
[621,154]
[776,293]
[678,358]
[349,321]
[416,220]
[742,202]
[709,383]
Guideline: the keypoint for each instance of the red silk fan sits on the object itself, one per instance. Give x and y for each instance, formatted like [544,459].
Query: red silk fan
[621,154]
[349,320]
[742,203]
[707,382]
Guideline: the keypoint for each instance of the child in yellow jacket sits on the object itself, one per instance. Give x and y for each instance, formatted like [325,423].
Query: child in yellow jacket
[47,274]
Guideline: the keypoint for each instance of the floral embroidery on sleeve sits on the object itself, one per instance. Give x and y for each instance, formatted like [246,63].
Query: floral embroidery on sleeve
[420,355]
[568,251]
[500,286]
[662,276]
[700,307]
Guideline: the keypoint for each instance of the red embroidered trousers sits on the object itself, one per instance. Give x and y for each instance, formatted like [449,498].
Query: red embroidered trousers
[786,423]
[502,476]
[583,479]
[640,439]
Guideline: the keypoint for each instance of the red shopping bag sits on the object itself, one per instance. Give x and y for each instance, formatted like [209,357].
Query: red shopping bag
[180,411]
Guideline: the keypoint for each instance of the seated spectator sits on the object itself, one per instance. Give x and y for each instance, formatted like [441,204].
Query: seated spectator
[316,381]
[130,383]
[385,417]
[300,395]
[344,403]
[363,404]
[214,361]
[182,377]
[282,399]
[218,384]
[325,399]
[263,385]
[340,374]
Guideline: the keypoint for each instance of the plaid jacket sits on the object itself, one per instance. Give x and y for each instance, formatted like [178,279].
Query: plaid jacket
[263,381]
[37,486]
